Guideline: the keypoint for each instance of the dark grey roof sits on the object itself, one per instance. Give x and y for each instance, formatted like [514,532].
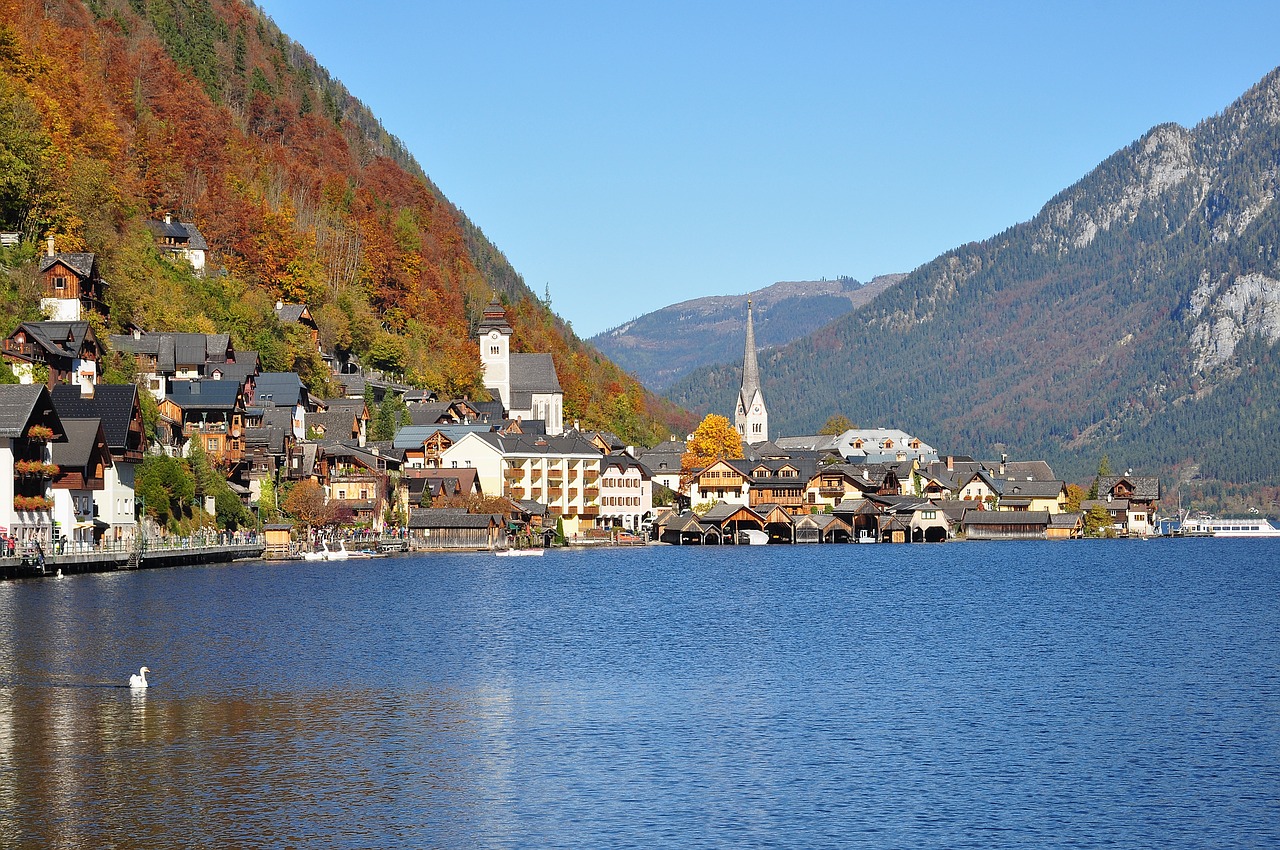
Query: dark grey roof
[533,373]
[428,413]
[112,403]
[495,318]
[290,313]
[82,436]
[1143,487]
[62,339]
[18,403]
[204,395]
[1032,489]
[1006,518]
[183,231]
[450,518]
[81,264]
[279,388]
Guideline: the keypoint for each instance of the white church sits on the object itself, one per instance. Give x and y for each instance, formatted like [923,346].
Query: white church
[526,384]
[751,417]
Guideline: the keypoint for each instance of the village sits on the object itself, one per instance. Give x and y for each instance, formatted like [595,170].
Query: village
[458,473]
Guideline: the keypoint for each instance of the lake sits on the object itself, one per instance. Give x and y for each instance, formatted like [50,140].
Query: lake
[1082,694]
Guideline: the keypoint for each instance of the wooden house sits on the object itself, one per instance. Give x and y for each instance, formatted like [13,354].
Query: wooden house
[70,285]
[450,528]
[82,462]
[69,350]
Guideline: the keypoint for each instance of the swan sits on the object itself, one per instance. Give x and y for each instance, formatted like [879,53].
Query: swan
[339,554]
[139,679]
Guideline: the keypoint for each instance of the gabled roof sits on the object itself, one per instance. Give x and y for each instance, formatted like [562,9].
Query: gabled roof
[112,403]
[62,339]
[204,395]
[19,404]
[533,373]
[427,413]
[1143,488]
[283,389]
[1032,489]
[82,439]
[450,518]
[291,313]
[182,231]
[80,263]
[413,436]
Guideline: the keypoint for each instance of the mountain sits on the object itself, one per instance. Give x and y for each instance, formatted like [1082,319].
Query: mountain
[113,112]
[661,347]
[1135,316]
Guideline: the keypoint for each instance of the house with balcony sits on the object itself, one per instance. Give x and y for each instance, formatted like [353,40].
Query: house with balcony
[68,350]
[163,358]
[1041,496]
[180,240]
[783,483]
[562,472]
[29,427]
[358,479]
[119,409]
[82,462]
[211,412]
[1140,496]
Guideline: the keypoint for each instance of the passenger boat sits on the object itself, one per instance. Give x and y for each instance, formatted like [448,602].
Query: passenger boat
[1206,526]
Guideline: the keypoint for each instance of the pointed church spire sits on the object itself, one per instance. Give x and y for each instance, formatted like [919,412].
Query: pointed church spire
[750,369]
[751,417]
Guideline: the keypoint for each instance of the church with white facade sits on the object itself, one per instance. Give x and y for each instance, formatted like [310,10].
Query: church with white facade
[526,384]
[751,417]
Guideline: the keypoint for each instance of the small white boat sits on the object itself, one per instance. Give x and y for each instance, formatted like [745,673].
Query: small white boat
[313,555]
[339,554]
[752,537]
[511,553]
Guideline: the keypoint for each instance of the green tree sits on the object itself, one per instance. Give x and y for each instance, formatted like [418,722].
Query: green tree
[166,487]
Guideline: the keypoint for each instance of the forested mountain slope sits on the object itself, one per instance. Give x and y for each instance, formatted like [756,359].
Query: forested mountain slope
[1136,315]
[116,111]
[663,346]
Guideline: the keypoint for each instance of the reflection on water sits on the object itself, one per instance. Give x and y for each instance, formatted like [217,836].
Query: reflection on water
[952,696]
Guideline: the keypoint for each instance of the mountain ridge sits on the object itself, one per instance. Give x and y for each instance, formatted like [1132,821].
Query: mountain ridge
[663,345]
[1135,315]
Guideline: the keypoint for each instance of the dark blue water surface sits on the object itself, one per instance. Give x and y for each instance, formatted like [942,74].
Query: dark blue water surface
[1112,694]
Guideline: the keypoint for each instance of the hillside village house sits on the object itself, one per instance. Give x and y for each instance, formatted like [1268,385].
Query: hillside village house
[211,412]
[181,240]
[29,426]
[68,349]
[71,286]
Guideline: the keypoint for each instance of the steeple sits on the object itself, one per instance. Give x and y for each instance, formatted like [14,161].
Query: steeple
[751,417]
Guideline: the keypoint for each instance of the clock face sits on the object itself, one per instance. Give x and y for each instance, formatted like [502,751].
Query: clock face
[493,334]
[755,409]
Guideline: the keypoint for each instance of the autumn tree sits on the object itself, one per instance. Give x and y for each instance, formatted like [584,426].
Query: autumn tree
[1075,495]
[714,439]
[836,425]
[305,503]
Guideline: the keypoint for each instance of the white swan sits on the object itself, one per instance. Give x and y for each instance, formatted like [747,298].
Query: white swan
[339,554]
[139,679]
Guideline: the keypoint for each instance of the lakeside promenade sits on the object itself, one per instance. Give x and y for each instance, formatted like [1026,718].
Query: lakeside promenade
[157,552]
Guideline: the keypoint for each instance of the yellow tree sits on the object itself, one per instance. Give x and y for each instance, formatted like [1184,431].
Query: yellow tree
[714,439]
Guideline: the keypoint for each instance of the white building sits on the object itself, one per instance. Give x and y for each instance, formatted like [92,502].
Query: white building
[751,417]
[626,492]
[526,384]
[28,427]
[561,472]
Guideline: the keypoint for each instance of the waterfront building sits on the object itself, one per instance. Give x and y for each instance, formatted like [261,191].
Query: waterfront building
[626,492]
[82,462]
[1141,495]
[751,417]
[1047,496]
[29,425]
[119,408]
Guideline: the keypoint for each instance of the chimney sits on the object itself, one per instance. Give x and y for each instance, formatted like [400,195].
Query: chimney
[279,305]
[137,332]
[951,464]
[168,218]
[49,245]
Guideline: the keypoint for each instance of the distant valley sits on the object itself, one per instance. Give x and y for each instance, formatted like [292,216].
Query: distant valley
[662,347]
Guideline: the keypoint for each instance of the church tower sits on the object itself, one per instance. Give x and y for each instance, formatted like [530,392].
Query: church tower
[751,417]
[494,333]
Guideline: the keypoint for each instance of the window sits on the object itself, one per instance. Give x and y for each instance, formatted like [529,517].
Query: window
[212,444]
[493,349]
[59,283]
[342,494]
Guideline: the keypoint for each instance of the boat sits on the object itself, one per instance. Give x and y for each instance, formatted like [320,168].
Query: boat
[1208,526]
[339,554]
[313,555]
[511,553]
[752,537]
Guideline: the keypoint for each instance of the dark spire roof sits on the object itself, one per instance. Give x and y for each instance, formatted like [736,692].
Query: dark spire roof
[750,369]
[495,317]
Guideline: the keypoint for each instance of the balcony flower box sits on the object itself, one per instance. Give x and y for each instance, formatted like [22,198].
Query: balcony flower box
[40,433]
[31,503]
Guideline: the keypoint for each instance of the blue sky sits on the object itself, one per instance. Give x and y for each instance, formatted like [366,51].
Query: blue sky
[629,156]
